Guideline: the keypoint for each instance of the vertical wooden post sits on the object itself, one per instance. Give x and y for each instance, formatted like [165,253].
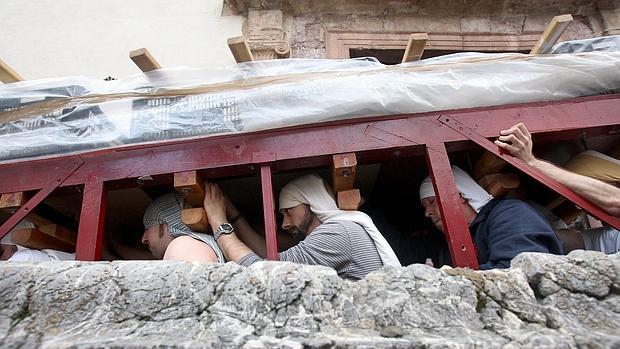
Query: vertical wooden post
[240,49]
[144,60]
[552,34]
[191,186]
[269,213]
[415,47]
[92,221]
[7,74]
[457,233]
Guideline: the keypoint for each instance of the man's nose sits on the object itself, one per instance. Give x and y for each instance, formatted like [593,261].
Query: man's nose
[286,222]
[144,239]
[428,212]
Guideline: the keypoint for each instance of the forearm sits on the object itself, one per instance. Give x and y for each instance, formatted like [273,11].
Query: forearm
[604,195]
[233,248]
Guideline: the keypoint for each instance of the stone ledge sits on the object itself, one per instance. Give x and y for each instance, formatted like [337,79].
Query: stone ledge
[543,300]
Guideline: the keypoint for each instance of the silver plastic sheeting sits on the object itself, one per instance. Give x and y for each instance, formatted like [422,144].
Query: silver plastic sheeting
[59,116]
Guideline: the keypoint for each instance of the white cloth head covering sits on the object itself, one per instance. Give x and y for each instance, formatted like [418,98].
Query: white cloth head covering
[475,195]
[312,191]
[23,224]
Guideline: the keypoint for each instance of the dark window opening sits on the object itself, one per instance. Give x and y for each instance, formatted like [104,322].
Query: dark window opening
[395,56]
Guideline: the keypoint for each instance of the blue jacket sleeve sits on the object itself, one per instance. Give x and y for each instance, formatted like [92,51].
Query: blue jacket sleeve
[515,227]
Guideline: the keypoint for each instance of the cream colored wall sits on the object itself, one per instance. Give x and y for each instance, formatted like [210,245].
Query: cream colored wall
[50,38]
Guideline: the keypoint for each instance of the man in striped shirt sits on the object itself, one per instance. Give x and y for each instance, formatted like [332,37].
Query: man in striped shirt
[346,241]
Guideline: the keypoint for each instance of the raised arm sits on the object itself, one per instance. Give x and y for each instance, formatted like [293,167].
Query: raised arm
[215,206]
[518,141]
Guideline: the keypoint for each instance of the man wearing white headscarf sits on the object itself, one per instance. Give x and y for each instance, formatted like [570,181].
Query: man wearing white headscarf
[12,252]
[501,228]
[347,241]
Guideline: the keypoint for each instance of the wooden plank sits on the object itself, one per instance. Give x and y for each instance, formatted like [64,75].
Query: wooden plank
[144,60]
[487,164]
[7,74]
[10,202]
[190,186]
[349,200]
[37,220]
[343,171]
[240,49]
[499,184]
[269,209]
[59,232]
[415,47]
[195,219]
[33,238]
[92,221]
[552,34]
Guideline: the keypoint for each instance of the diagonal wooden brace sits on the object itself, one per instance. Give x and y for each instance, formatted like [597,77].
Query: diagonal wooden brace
[462,249]
[550,183]
[62,173]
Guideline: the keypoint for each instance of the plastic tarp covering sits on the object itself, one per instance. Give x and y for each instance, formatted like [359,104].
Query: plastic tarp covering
[67,115]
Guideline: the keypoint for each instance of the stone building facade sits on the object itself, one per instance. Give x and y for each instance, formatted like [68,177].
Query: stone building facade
[332,29]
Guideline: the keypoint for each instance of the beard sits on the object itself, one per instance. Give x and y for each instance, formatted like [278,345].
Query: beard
[300,231]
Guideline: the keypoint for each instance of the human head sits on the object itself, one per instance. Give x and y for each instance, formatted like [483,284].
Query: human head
[300,200]
[162,223]
[473,197]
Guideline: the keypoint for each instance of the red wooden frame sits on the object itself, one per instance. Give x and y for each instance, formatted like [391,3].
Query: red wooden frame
[306,146]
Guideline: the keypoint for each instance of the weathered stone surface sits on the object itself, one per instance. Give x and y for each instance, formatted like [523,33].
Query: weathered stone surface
[542,301]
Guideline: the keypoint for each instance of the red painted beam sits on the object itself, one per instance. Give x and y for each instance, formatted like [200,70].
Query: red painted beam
[594,210]
[269,213]
[302,143]
[60,174]
[456,231]
[92,222]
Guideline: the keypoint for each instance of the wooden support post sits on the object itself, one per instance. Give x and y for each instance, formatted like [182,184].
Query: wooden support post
[499,184]
[487,164]
[415,47]
[92,222]
[144,60]
[240,49]
[11,202]
[343,171]
[456,231]
[190,186]
[7,74]
[195,219]
[551,34]
[269,213]
[33,238]
[349,200]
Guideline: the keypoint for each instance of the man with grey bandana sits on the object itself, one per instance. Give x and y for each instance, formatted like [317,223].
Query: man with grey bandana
[169,239]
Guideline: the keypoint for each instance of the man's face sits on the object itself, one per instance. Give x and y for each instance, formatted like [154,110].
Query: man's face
[297,220]
[7,251]
[431,210]
[158,239]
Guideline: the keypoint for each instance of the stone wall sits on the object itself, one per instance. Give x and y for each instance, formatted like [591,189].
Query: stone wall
[543,301]
[305,25]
